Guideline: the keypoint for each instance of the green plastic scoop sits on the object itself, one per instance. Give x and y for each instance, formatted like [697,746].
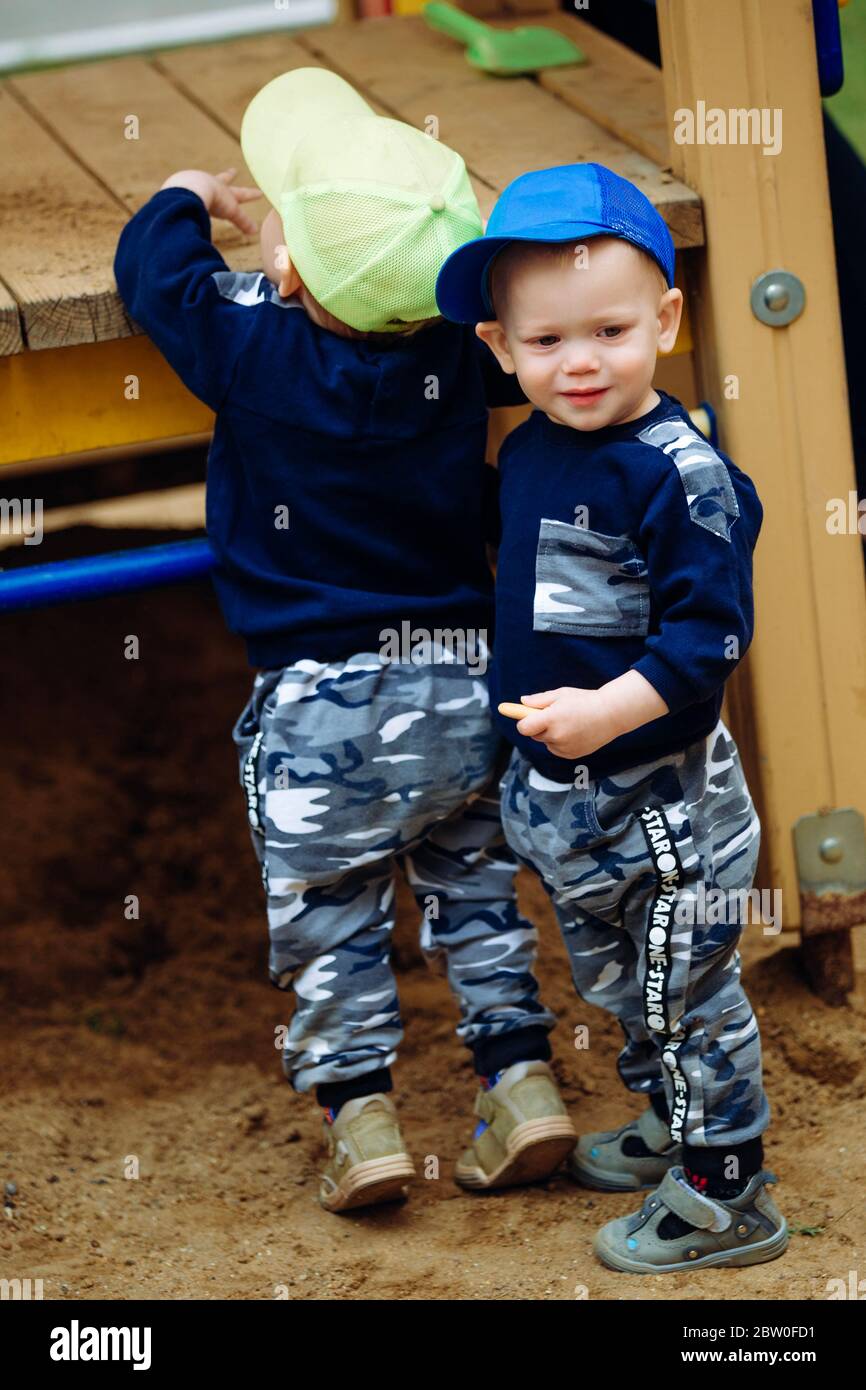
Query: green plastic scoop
[505,52]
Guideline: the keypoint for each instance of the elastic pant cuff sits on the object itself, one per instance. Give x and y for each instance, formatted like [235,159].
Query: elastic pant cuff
[333,1094]
[504,1049]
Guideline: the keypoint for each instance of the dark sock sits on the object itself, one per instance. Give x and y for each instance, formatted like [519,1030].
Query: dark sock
[494,1054]
[331,1095]
[705,1171]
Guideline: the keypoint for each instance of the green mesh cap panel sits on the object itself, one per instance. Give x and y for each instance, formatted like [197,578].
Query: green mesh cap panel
[370,212]
[369,258]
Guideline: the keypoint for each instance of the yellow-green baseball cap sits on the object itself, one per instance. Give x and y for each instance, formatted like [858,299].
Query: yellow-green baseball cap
[371,207]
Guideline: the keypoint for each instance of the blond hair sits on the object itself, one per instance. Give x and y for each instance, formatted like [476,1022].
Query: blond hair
[518,253]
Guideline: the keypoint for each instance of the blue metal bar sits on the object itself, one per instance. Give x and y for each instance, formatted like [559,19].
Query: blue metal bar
[95,576]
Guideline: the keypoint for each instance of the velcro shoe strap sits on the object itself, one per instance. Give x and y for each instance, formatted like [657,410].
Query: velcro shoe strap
[690,1205]
[484,1107]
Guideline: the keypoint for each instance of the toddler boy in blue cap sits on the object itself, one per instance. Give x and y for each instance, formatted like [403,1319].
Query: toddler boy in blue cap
[624,602]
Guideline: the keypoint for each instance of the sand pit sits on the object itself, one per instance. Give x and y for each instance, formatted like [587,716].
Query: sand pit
[150,1041]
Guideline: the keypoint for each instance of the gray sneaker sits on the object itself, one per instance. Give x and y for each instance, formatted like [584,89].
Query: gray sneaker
[744,1230]
[598,1160]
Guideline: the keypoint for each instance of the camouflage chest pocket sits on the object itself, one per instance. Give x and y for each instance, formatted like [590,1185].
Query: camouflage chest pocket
[588,583]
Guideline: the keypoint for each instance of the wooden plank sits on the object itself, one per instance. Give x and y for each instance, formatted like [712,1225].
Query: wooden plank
[616,88]
[675,373]
[92,107]
[58,229]
[189,104]
[10,324]
[223,78]
[828,958]
[799,698]
[86,458]
[502,128]
[87,108]
[165,509]
[223,81]
[72,400]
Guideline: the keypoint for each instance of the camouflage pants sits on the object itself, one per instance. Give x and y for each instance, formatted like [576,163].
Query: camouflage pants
[629,861]
[349,770]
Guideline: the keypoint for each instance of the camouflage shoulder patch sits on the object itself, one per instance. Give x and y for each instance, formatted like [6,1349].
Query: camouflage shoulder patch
[707,482]
[250,287]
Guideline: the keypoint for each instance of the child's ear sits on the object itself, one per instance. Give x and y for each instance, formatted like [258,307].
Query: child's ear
[276,261]
[289,282]
[492,333]
[669,315]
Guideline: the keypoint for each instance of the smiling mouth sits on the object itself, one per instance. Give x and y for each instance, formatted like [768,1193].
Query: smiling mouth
[589,395]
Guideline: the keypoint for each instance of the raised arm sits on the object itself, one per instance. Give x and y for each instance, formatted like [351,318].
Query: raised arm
[165,266]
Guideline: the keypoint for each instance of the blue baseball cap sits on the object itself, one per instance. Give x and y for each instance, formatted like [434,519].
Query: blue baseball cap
[569,203]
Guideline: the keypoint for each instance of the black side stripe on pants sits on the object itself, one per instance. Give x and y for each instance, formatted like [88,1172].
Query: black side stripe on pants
[660,920]
[251,787]
[663,852]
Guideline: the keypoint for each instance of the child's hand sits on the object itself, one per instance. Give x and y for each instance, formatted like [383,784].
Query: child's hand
[220,199]
[571,723]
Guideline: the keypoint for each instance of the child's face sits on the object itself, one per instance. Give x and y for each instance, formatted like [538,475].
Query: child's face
[583,334]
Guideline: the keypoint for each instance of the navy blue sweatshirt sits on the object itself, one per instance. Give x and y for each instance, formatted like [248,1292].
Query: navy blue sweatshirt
[628,547]
[374,455]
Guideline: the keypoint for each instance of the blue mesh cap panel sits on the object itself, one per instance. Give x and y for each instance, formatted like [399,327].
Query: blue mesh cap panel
[628,211]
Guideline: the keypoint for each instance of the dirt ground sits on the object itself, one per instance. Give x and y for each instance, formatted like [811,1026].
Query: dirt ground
[150,1041]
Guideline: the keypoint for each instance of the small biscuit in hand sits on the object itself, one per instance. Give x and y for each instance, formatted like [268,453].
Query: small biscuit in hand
[512,711]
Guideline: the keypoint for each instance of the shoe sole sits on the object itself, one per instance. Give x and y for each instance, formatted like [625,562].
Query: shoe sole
[534,1150]
[370,1183]
[760,1253]
[604,1182]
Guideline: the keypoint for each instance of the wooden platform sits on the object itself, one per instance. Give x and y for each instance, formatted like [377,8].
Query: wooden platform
[797,703]
[75,176]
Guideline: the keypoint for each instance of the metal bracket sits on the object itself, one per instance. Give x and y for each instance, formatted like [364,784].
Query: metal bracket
[830,848]
[777,298]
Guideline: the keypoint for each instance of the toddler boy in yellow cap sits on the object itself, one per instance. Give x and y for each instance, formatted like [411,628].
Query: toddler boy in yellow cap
[346,505]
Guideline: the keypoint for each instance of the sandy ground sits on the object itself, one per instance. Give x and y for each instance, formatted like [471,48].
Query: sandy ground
[147,1045]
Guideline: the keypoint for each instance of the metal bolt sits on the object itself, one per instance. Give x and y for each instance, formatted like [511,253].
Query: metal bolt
[742,1230]
[831,850]
[693,1254]
[776,296]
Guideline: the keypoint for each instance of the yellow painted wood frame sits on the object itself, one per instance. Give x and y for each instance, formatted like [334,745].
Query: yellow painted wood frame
[798,701]
[75,399]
